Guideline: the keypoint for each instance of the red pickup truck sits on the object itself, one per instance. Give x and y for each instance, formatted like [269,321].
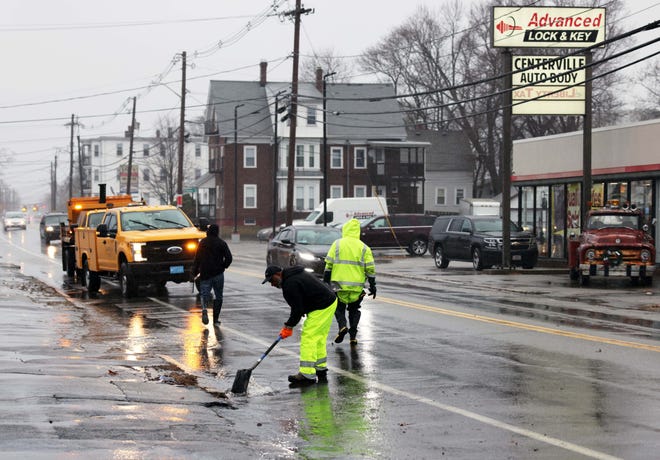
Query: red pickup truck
[614,243]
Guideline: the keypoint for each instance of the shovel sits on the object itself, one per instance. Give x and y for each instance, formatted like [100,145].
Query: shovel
[243,375]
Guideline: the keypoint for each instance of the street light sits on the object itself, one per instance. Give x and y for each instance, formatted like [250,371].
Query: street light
[325,153]
[236,237]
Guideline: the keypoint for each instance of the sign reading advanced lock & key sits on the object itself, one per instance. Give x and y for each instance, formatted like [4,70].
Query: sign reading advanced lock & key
[547,27]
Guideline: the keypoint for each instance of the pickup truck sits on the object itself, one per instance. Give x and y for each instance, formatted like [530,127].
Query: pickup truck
[614,243]
[138,245]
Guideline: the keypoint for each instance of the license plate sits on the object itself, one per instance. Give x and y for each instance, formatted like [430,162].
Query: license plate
[176,270]
[516,257]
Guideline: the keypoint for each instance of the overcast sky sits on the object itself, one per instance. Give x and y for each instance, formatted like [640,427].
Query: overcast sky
[87,57]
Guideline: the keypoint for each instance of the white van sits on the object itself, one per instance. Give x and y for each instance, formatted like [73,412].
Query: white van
[340,210]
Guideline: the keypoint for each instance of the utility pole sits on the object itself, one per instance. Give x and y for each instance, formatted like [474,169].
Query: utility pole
[325,151]
[293,108]
[276,152]
[130,151]
[72,124]
[80,166]
[179,181]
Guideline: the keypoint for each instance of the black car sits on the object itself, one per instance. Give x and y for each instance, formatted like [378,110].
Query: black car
[479,239]
[49,226]
[305,245]
[405,231]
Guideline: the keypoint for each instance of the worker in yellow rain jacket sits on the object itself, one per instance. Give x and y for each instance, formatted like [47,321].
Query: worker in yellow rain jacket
[348,264]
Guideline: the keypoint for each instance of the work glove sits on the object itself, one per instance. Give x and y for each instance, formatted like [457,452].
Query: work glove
[372,287]
[286,331]
[326,276]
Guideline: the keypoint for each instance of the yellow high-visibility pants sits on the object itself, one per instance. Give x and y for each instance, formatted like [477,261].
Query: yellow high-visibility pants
[314,339]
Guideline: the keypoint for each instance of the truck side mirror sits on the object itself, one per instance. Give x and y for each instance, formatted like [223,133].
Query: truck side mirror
[329,216]
[102,230]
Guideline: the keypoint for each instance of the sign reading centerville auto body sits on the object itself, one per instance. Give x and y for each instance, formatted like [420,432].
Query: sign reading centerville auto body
[543,27]
[558,83]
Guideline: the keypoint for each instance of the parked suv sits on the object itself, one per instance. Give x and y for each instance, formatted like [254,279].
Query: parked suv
[479,239]
[408,231]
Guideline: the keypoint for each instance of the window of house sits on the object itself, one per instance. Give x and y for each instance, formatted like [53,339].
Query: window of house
[145,150]
[380,162]
[360,158]
[96,150]
[163,174]
[145,175]
[460,194]
[336,158]
[336,191]
[440,194]
[120,149]
[162,149]
[96,175]
[360,191]
[198,173]
[311,115]
[311,198]
[311,156]
[249,196]
[300,156]
[300,198]
[198,150]
[249,156]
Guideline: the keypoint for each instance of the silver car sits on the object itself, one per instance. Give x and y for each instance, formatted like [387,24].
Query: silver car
[305,245]
[14,219]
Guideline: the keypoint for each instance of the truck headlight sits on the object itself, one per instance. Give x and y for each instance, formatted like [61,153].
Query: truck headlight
[136,250]
[645,255]
[590,254]
[49,228]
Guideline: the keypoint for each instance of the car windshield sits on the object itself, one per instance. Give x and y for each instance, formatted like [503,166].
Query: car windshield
[318,236]
[152,220]
[492,225]
[54,220]
[14,215]
[613,220]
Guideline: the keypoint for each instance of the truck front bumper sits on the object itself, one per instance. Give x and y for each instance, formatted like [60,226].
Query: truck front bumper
[149,272]
[623,270]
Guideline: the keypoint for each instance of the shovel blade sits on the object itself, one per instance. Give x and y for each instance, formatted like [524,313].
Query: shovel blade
[241,381]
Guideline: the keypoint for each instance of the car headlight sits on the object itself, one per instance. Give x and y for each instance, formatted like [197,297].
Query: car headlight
[307,256]
[590,254]
[136,250]
[49,228]
[645,255]
[491,242]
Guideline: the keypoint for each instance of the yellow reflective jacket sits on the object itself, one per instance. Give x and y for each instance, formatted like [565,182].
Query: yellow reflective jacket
[350,262]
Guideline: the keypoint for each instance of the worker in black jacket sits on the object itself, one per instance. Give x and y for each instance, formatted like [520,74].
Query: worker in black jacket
[306,295]
[213,257]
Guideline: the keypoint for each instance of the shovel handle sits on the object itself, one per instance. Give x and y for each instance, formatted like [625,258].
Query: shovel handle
[279,337]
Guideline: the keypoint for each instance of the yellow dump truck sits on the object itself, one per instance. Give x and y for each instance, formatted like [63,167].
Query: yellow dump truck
[138,245]
[79,216]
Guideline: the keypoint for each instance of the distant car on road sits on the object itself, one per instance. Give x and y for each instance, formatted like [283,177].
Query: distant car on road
[479,239]
[49,226]
[306,245]
[14,219]
[265,234]
[406,231]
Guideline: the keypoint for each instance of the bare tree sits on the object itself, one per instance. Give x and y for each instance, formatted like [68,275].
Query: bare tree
[649,102]
[329,62]
[434,57]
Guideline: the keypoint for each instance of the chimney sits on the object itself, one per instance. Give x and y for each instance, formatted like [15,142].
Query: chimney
[264,68]
[319,79]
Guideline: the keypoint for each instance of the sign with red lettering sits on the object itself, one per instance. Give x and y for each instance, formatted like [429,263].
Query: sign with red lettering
[547,27]
[551,85]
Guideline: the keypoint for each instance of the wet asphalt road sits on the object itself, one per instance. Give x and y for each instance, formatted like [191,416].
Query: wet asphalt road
[450,363]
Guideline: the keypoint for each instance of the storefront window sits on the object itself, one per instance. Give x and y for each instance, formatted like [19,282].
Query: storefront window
[597,195]
[527,209]
[617,193]
[542,220]
[573,201]
[558,221]
[641,195]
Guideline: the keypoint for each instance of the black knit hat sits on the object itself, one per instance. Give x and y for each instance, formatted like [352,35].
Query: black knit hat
[270,271]
[213,229]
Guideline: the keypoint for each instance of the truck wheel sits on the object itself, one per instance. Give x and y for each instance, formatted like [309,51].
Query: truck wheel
[584,280]
[90,279]
[126,281]
[574,274]
[439,257]
[417,247]
[477,262]
[648,280]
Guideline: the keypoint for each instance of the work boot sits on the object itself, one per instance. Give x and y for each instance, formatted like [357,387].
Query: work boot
[353,342]
[217,306]
[205,316]
[299,380]
[322,376]
[342,332]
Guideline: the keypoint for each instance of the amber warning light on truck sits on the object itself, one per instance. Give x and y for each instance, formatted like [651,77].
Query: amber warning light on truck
[559,27]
